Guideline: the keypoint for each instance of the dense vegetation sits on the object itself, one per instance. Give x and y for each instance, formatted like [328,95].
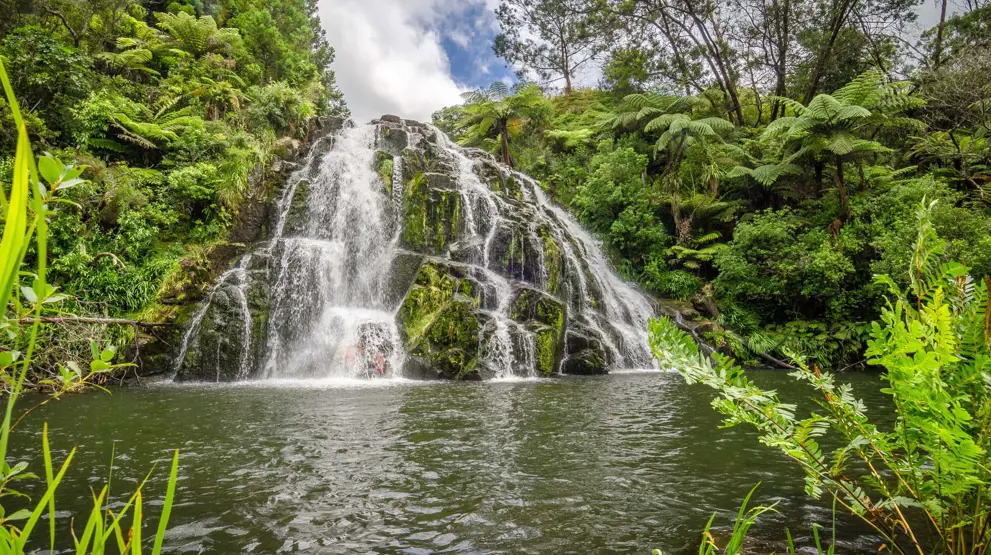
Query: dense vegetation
[174,111]
[922,484]
[762,160]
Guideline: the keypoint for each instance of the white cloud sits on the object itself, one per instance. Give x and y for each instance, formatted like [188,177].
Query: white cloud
[389,60]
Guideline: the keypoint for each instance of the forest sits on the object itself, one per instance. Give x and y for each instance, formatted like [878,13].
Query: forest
[804,183]
[174,112]
[760,159]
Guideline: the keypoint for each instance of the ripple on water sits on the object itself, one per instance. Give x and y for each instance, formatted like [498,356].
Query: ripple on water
[618,464]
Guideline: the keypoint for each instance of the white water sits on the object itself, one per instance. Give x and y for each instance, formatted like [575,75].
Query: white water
[330,268]
[329,291]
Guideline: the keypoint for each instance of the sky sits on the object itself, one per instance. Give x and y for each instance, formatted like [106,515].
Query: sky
[413,57]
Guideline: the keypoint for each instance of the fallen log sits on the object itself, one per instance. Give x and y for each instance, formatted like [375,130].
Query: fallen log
[102,321]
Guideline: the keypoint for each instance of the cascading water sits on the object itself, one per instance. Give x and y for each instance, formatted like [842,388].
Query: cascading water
[398,252]
[328,298]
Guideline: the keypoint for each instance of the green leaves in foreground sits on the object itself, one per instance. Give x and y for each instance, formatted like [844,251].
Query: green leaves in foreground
[28,202]
[934,344]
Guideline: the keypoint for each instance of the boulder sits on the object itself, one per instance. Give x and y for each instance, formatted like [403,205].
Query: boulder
[585,352]
[440,322]
[433,217]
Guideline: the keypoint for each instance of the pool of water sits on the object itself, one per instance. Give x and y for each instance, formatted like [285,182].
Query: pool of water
[618,464]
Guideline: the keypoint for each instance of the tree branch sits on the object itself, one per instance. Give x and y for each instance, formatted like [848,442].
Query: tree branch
[103,321]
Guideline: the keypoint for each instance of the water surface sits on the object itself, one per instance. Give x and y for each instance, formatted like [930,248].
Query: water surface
[618,464]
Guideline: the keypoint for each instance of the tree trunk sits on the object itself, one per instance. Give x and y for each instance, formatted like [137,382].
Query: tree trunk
[818,167]
[839,20]
[841,189]
[504,139]
[938,48]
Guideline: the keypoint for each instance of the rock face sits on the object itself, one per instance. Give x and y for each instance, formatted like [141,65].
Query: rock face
[394,252]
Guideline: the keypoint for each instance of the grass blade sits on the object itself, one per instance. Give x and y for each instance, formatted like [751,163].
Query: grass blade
[49,477]
[167,508]
[36,514]
[136,526]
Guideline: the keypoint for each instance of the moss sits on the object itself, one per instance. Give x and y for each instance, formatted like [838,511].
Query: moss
[552,261]
[512,188]
[385,166]
[439,321]
[433,216]
[532,305]
[548,349]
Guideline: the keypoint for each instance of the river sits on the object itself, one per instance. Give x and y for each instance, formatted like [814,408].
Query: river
[623,463]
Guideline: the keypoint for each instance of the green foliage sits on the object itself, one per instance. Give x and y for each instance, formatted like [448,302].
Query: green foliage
[35,186]
[778,267]
[174,115]
[498,113]
[933,344]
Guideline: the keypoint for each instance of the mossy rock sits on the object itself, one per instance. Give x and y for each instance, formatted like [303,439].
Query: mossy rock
[544,315]
[530,305]
[440,322]
[550,349]
[215,354]
[586,363]
[385,167]
[299,209]
[553,262]
[433,216]
[516,254]
[586,354]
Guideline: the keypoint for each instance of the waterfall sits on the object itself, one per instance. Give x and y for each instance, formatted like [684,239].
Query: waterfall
[397,252]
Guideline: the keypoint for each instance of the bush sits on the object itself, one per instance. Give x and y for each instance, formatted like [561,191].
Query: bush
[933,344]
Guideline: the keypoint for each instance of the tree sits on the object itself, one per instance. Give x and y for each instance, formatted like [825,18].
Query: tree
[497,111]
[682,126]
[563,37]
[933,345]
[198,36]
[839,128]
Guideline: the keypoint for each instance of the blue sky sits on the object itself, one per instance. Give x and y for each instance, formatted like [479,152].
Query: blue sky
[411,57]
[467,39]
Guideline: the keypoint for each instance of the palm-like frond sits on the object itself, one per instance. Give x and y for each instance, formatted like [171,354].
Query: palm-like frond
[198,36]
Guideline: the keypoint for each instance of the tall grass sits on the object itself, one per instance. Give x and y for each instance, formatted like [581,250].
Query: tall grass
[33,191]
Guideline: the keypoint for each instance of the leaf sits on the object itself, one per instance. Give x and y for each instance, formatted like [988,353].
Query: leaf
[22,514]
[108,354]
[167,507]
[8,357]
[70,183]
[29,294]
[98,366]
[50,168]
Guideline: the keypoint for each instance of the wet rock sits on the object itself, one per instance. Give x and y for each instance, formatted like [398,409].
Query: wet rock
[403,273]
[531,305]
[299,209]
[586,363]
[433,217]
[393,140]
[585,352]
[218,352]
[515,253]
[440,322]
